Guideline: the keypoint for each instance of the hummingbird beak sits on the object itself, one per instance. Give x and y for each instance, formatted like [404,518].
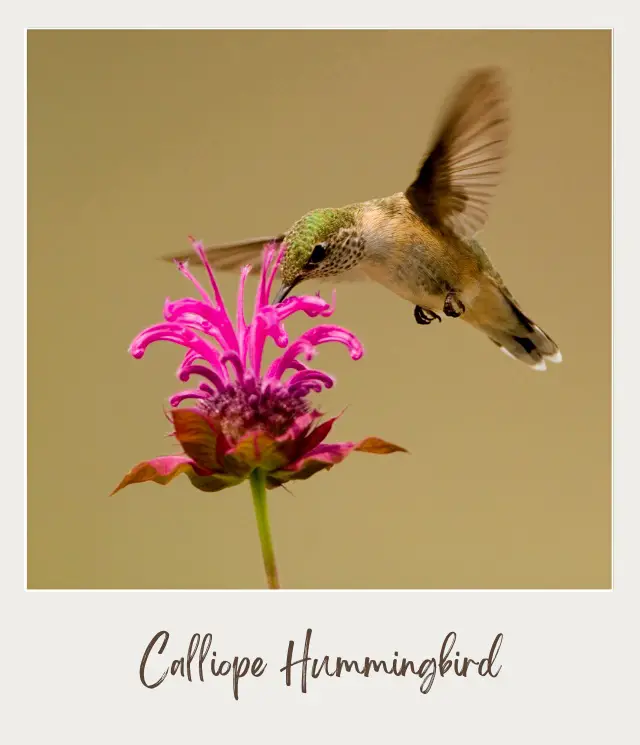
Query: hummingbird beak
[283,292]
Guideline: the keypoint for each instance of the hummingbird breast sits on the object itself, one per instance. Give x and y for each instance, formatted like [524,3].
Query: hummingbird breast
[410,258]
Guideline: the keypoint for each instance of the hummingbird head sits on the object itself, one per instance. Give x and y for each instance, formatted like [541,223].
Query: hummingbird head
[322,243]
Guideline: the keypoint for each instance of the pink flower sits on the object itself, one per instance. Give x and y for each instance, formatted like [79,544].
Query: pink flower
[244,418]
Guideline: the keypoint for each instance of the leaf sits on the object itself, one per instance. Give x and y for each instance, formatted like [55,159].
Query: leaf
[255,449]
[308,469]
[161,470]
[198,438]
[378,446]
[213,482]
[164,469]
[317,435]
[291,441]
[322,458]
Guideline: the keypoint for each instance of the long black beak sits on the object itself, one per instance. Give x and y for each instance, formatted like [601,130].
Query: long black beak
[283,292]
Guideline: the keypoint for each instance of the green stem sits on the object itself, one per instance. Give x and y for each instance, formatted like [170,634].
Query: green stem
[258,489]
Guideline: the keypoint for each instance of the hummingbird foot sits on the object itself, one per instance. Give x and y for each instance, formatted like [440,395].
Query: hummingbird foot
[453,306]
[424,316]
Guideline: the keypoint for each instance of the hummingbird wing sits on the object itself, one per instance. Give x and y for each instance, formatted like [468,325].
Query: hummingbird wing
[227,257]
[458,177]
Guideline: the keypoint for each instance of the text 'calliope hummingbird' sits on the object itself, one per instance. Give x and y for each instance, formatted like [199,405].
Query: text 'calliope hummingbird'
[421,243]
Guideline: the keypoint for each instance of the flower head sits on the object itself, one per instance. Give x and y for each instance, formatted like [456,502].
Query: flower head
[244,416]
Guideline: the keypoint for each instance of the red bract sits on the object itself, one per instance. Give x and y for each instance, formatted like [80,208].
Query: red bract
[244,418]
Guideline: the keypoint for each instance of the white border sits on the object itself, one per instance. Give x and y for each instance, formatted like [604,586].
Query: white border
[569,657]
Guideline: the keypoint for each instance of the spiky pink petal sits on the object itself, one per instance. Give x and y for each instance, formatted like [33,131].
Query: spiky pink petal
[307,342]
[230,357]
[178,398]
[241,326]
[204,372]
[226,325]
[305,376]
[178,334]
[199,316]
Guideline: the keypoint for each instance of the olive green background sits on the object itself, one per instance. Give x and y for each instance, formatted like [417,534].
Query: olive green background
[136,139]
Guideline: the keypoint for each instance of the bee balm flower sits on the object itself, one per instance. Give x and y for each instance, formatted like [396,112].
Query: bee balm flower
[244,421]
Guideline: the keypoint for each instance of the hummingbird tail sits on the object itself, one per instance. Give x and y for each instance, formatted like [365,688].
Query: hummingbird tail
[501,319]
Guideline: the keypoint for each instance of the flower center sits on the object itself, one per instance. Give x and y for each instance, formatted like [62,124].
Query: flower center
[250,406]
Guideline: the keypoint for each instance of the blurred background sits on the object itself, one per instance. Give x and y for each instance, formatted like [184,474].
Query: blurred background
[138,138]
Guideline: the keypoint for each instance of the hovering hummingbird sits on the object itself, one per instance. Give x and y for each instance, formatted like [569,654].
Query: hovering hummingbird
[421,243]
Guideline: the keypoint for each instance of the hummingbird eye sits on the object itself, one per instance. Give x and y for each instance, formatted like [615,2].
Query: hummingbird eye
[317,254]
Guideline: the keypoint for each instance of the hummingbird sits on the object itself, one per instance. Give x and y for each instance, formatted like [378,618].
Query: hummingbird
[420,243]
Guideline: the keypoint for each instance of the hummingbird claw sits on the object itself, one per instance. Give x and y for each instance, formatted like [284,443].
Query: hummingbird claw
[424,316]
[453,306]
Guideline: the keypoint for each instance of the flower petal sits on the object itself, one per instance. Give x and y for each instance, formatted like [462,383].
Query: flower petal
[303,377]
[226,326]
[312,305]
[185,372]
[200,316]
[178,398]
[307,342]
[199,437]
[234,360]
[262,296]
[241,326]
[178,334]
[161,470]
[378,447]
[278,254]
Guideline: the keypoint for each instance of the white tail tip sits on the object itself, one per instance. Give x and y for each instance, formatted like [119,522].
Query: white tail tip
[507,352]
[542,365]
[556,358]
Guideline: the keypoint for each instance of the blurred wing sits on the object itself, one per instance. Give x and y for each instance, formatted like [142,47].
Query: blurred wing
[459,176]
[231,257]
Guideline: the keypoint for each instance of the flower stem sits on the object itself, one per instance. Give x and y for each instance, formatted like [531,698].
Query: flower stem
[258,489]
